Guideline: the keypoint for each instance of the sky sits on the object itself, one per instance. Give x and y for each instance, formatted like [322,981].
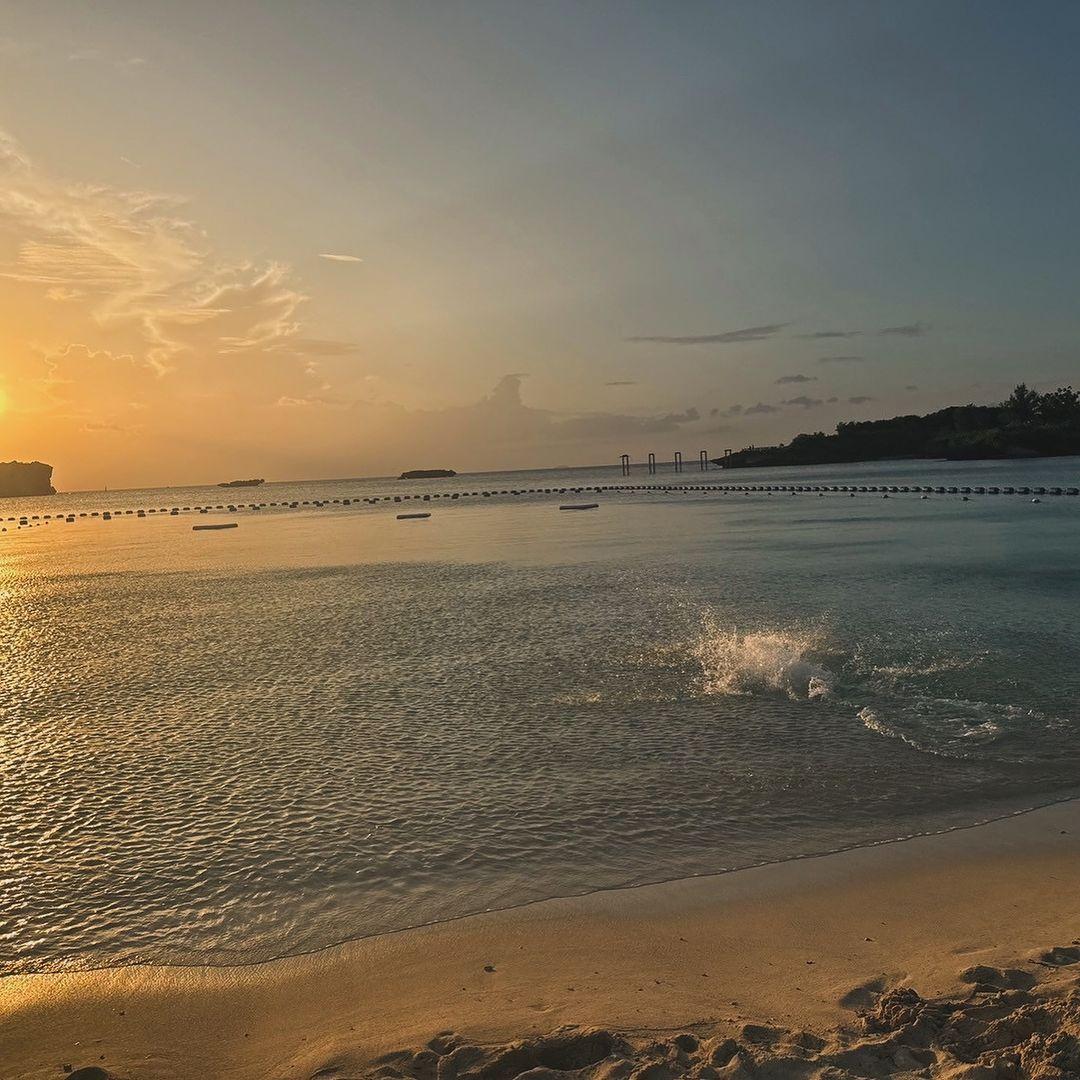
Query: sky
[351,238]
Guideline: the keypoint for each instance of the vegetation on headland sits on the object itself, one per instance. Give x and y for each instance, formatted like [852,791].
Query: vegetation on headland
[1028,424]
[25,478]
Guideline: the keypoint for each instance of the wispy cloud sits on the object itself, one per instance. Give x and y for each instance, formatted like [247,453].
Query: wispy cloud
[804,402]
[784,380]
[912,386]
[861,399]
[840,359]
[61,294]
[96,56]
[728,337]
[321,347]
[140,267]
[12,156]
[760,409]
[915,329]
[327,401]
[97,426]
[621,382]
[340,258]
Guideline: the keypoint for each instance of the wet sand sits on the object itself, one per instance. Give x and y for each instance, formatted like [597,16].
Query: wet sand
[952,955]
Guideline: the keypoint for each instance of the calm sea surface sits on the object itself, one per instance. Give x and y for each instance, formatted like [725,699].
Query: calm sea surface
[222,747]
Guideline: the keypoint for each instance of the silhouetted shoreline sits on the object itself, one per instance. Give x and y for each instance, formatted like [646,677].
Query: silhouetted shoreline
[1027,425]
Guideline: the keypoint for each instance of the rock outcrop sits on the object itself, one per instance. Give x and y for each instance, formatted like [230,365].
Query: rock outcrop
[25,478]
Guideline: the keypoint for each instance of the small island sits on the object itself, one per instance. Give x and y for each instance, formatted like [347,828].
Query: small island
[1028,424]
[241,483]
[25,478]
[426,474]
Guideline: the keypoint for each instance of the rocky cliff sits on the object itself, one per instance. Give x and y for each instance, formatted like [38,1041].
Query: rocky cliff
[25,478]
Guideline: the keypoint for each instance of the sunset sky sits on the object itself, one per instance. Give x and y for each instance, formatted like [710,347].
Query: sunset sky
[342,239]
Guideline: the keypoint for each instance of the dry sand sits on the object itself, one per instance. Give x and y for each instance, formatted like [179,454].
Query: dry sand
[952,955]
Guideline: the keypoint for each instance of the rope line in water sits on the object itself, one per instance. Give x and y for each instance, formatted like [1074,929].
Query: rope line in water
[925,490]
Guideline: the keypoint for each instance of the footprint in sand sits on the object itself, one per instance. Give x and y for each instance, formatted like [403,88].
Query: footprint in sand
[1059,956]
[542,1058]
[865,994]
[986,978]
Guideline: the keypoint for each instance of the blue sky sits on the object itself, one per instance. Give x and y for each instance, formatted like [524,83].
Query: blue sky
[527,188]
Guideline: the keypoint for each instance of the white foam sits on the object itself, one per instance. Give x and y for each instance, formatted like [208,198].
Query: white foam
[766,661]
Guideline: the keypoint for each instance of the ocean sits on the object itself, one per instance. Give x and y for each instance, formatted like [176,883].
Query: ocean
[223,747]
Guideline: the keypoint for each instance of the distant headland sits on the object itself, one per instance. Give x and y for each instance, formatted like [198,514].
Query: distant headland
[241,483]
[25,478]
[1028,424]
[426,474]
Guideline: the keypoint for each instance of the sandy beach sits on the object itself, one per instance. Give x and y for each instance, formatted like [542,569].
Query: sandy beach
[950,955]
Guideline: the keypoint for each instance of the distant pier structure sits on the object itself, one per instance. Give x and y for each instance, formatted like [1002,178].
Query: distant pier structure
[703,462]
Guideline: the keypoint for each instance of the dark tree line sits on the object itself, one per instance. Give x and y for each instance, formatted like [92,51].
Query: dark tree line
[1027,424]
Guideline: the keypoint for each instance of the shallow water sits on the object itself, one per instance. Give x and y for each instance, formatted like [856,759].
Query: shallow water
[222,747]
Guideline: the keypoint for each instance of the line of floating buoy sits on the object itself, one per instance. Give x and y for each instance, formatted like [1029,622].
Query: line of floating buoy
[851,490]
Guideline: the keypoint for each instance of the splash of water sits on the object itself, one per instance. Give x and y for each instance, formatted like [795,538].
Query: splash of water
[765,661]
